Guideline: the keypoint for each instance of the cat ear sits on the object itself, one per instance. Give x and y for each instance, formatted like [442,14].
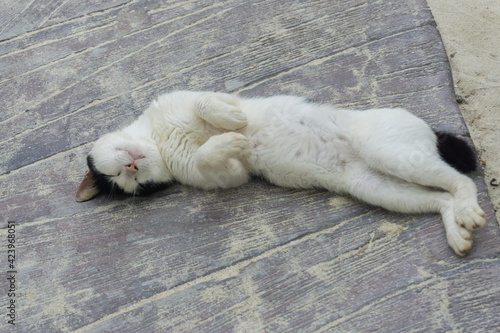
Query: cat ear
[87,189]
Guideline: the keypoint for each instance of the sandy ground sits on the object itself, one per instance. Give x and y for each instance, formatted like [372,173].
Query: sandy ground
[471,34]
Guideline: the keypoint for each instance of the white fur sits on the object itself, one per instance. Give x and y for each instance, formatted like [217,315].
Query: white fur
[386,157]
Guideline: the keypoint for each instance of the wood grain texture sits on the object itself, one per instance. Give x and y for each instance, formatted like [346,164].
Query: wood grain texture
[252,259]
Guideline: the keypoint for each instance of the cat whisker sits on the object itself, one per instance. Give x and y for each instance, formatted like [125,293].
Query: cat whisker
[112,191]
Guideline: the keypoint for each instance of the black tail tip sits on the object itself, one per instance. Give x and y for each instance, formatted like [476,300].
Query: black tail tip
[456,152]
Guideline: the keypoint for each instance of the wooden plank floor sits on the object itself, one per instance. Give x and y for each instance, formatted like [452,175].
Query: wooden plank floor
[252,259]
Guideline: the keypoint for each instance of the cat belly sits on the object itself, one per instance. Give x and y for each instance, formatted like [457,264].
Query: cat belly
[304,167]
[298,149]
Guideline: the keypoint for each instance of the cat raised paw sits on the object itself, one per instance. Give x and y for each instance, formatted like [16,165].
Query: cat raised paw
[218,111]
[231,118]
[219,161]
[219,148]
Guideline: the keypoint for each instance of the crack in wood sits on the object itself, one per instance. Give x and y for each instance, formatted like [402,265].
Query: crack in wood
[222,273]
[70,21]
[20,13]
[319,61]
[45,43]
[51,13]
[366,307]
[128,55]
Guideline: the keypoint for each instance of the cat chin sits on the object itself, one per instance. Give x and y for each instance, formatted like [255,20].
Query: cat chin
[127,184]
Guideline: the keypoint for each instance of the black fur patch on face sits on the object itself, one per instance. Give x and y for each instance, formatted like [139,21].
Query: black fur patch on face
[106,185]
[149,188]
[102,181]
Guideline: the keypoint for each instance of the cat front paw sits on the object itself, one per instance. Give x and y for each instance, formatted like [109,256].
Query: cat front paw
[470,217]
[219,148]
[222,111]
[220,159]
[231,118]
[229,144]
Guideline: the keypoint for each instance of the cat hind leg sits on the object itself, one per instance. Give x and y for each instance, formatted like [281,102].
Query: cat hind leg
[433,172]
[413,157]
[400,196]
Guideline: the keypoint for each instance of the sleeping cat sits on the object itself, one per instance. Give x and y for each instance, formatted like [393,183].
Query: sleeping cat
[386,157]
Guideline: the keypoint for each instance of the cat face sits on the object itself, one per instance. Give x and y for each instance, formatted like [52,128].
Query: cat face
[121,164]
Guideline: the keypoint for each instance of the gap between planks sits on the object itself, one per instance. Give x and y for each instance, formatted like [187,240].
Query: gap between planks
[79,18]
[249,86]
[74,149]
[222,274]
[320,61]
[431,279]
[100,69]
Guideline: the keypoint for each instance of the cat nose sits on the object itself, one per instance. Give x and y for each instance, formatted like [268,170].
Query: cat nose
[131,168]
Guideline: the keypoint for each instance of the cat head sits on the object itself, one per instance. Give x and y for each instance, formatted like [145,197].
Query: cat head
[123,164]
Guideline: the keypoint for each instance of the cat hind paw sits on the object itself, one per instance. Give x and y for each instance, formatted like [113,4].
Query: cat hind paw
[470,217]
[460,240]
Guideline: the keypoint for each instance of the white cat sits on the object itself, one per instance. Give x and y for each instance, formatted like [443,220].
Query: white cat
[386,157]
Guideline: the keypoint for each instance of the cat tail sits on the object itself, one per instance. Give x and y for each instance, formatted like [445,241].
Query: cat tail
[456,152]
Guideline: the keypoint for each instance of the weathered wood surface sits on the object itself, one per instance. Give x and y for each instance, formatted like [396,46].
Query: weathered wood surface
[252,259]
